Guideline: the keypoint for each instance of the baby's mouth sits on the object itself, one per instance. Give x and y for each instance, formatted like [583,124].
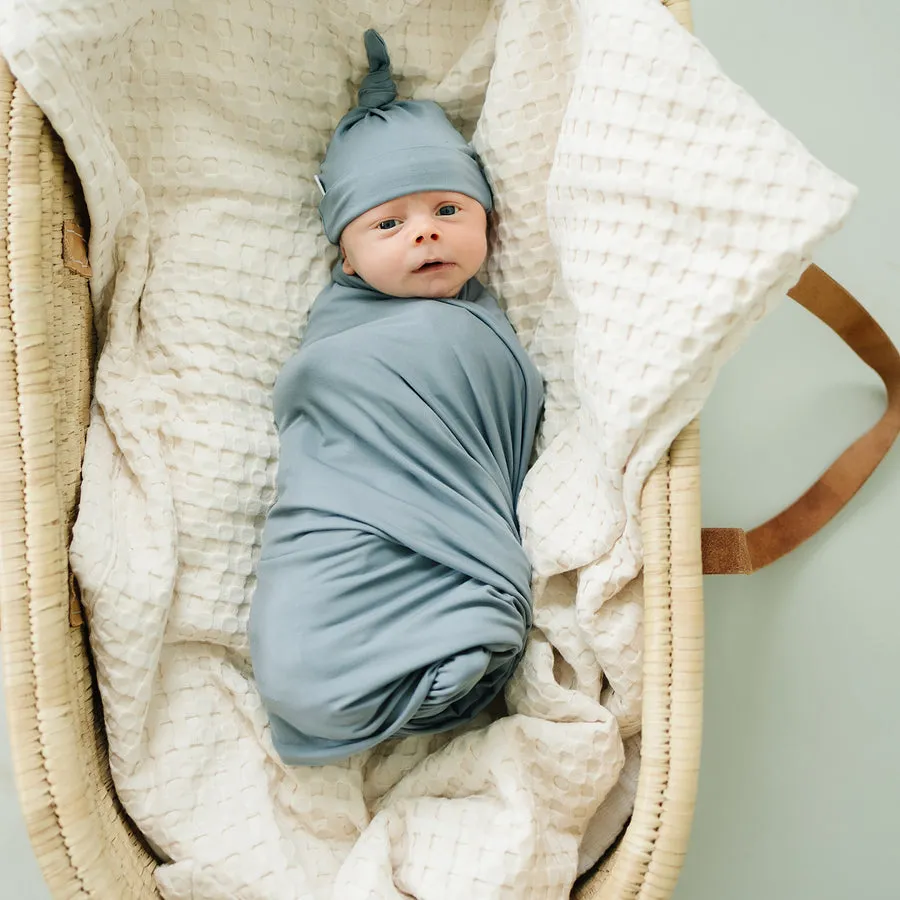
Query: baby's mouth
[433,265]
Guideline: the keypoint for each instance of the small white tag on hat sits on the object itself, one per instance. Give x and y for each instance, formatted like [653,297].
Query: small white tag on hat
[318,182]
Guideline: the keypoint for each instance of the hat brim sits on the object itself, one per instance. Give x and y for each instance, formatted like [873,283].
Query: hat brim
[410,171]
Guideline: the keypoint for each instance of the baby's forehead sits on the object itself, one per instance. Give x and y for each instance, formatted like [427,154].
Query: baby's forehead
[423,198]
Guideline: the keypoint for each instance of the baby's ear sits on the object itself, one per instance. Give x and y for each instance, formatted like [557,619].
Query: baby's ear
[345,264]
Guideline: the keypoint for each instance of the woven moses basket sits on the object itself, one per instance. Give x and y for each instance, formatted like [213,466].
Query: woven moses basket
[82,838]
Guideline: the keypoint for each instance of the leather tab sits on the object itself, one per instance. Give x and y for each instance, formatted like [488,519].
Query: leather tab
[725,552]
[75,254]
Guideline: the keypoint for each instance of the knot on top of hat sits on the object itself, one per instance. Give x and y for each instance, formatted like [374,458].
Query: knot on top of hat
[378,88]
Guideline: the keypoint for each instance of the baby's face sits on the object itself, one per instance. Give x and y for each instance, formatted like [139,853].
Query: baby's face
[422,245]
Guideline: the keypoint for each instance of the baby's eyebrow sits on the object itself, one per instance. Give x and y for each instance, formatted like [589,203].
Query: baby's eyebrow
[389,212]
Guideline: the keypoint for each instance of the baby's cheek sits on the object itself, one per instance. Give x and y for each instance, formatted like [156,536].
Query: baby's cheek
[479,251]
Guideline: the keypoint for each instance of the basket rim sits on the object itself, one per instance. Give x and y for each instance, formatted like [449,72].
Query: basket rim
[81,837]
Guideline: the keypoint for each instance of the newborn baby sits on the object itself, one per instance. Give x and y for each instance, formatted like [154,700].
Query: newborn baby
[393,592]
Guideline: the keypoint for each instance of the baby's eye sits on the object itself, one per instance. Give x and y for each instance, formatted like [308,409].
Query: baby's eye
[388,224]
[448,210]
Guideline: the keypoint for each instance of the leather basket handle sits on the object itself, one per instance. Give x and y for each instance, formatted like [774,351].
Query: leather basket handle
[732,551]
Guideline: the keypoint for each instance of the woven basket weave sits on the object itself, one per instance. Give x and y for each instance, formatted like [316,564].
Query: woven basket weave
[83,840]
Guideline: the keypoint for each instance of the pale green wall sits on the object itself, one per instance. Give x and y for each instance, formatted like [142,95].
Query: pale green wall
[800,782]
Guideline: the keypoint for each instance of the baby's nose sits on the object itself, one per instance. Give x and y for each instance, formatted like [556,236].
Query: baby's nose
[427,233]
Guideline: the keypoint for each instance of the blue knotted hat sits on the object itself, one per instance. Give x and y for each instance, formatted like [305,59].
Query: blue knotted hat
[386,148]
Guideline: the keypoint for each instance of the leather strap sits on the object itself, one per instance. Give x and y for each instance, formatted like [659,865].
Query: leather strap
[732,551]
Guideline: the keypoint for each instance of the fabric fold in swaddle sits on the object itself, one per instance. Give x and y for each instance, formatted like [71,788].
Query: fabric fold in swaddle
[394,594]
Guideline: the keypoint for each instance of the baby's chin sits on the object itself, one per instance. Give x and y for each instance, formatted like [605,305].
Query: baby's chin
[439,294]
[425,289]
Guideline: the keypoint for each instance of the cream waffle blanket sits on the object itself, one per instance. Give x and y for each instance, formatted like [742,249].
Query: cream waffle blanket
[648,212]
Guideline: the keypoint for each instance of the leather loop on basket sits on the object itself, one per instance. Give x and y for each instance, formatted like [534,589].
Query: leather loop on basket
[731,551]
[75,255]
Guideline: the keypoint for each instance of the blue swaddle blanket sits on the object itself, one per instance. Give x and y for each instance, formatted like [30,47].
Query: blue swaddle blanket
[393,592]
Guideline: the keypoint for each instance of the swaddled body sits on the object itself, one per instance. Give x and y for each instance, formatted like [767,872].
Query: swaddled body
[393,592]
